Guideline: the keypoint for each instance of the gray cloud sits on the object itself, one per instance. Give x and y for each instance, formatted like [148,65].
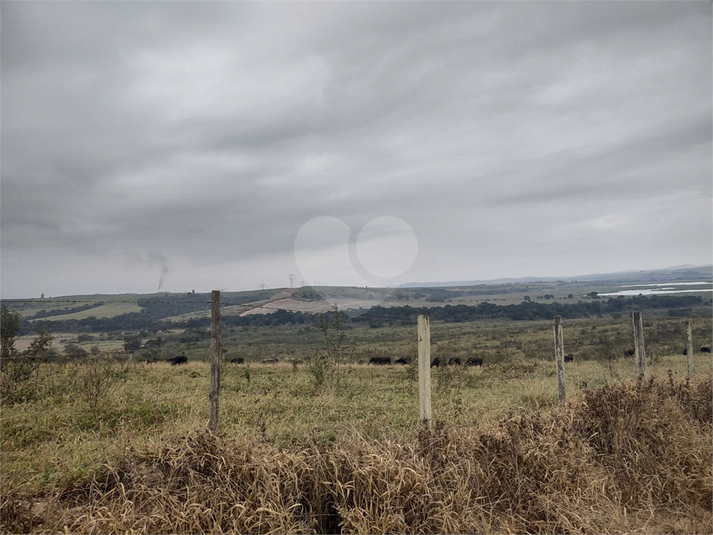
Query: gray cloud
[213,131]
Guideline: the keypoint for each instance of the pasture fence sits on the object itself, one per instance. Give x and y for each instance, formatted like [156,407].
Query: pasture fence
[424,370]
[689,349]
[639,349]
[559,359]
[214,395]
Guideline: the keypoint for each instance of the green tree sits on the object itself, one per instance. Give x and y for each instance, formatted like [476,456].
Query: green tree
[9,327]
[132,343]
[40,345]
[325,363]
[74,351]
[16,370]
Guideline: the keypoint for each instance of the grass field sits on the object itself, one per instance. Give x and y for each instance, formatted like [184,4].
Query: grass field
[67,440]
[108,446]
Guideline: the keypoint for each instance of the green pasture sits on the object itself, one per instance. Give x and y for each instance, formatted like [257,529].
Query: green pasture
[108,310]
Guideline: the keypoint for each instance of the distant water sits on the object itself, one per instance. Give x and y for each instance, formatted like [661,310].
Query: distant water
[666,288]
[668,284]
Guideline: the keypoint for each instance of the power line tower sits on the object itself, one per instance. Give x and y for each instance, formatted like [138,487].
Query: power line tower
[292,279]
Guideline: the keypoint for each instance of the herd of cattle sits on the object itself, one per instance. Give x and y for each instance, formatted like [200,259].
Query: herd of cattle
[704,349]
[437,362]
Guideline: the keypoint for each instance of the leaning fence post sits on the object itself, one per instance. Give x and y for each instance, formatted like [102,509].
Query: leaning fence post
[424,370]
[639,351]
[689,350]
[559,359]
[214,360]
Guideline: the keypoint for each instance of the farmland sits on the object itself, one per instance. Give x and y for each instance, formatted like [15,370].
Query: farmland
[103,444]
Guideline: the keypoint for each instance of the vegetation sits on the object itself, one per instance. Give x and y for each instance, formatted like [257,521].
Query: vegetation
[176,310]
[17,369]
[321,442]
[626,457]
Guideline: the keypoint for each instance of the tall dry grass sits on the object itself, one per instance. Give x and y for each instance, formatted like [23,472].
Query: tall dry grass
[629,458]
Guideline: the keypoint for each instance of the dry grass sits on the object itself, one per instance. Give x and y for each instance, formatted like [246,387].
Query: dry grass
[633,457]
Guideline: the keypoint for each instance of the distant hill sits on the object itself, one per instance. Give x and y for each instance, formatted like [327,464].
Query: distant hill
[671,274]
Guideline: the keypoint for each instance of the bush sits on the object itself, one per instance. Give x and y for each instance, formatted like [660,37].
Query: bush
[98,377]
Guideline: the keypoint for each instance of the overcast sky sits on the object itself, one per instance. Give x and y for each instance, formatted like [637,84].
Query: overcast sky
[225,145]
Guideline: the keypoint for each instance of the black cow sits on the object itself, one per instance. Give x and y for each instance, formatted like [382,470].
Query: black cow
[629,352]
[437,363]
[454,360]
[237,360]
[474,361]
[403,361]
[705,349]
[179,359]
[380,361]
[569,358]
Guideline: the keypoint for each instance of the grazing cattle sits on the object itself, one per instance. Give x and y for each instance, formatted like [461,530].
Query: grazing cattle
[237,360]
[403,361]
[270,361]
[629,352]
[437,363]
[455,360]
[569,358]
[474,361]
[380,361]
[179,359]
[705,349]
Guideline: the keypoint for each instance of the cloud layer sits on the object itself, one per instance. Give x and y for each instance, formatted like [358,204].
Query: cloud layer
[192,141]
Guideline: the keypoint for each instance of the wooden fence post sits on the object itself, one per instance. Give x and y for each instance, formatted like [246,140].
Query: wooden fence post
[214,360]
[689,350]
[559,359]
[639,351]
[424,370]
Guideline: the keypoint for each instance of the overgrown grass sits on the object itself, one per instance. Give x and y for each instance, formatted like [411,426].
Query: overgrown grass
[630,457]
[348,454]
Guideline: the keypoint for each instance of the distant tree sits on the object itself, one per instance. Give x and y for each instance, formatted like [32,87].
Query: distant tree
[154,342]
[132,343]
[527,298]
[9,327]
[16,370]
[40,345]
[74,351]
[570,296]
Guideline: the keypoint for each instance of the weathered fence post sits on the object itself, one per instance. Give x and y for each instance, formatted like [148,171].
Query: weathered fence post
[559,359]
[689,350]
[639,351]
[214,360]
[424,369]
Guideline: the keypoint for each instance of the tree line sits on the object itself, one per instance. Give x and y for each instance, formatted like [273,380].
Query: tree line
[155,310]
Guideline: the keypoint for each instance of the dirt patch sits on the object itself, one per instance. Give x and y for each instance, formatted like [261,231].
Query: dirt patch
[313,307]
